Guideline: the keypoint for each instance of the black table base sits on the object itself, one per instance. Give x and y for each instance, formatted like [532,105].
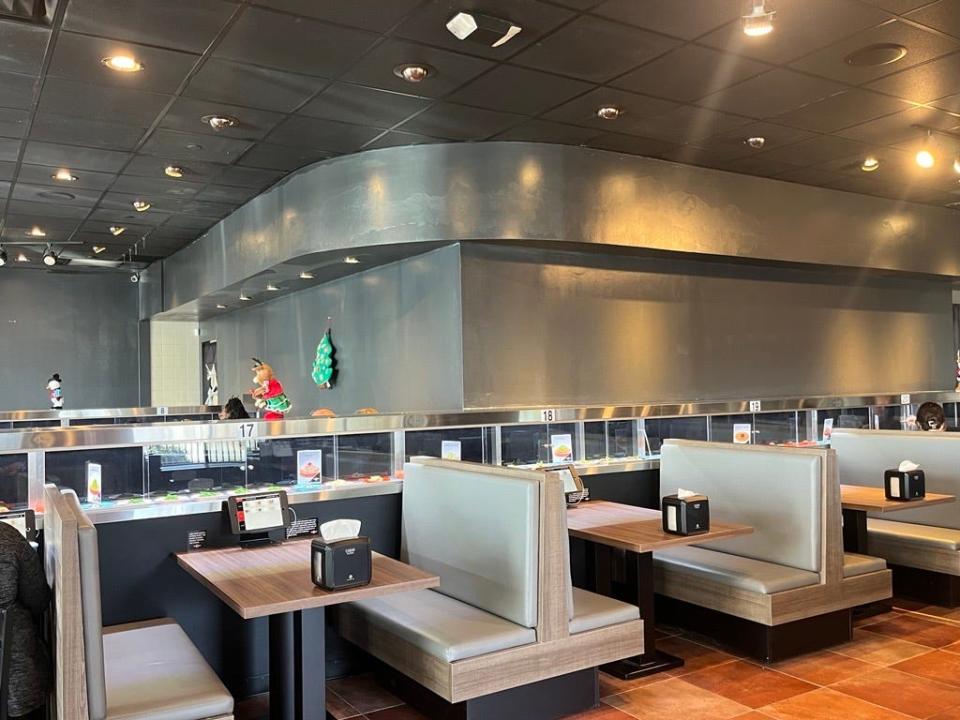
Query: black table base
[298,687]
[855,531]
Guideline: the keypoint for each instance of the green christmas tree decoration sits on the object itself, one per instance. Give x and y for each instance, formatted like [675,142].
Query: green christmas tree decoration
[325,364]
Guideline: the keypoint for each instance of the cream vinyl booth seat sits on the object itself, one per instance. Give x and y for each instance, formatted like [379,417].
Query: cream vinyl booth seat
[792,567]
[137,671]
[505,613]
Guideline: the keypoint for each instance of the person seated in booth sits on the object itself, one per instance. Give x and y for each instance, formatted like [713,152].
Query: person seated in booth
[234,410]
[24,595]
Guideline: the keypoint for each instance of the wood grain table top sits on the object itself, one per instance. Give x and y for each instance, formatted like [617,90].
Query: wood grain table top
[637,529]
[873,499]
[272,579]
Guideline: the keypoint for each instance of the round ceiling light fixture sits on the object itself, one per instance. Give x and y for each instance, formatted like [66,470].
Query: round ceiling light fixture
[117,230]
[759,21]
[756,142]
[351,260]
[924,158]
[174,171]
[141,205]
[36,231]
[64,175]
[220,122]
[956,164]
[870,164]
[412,72]
[878,54]
[243,297]
[97,249]
[609,112]
[221,306]
[3,257]
[21,258]
[123,63]
[272,288]
[49,257]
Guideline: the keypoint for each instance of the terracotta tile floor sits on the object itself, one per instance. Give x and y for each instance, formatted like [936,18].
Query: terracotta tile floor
[900,665]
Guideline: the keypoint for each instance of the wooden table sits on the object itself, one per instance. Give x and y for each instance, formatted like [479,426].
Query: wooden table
[857,500]
[274,581]
[637,531]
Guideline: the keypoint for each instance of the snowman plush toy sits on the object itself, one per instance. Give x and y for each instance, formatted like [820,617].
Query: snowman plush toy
[55,391]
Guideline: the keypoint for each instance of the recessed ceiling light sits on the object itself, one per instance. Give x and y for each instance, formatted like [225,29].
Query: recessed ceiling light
[64,175]
[758,22]
[123,63]
[412,72]
[36,232]
[97,249]
[870,164]
[306,275]
[756,142]
[117,230]
[194,146]
[873,55]
[220,122]
[49,257]
[141,205]
[21,258]
[243,297]
[351,260]
[174,171]
[609,112]
[221,306]
[272,288]
[925,159]
[956,164]
[3,257]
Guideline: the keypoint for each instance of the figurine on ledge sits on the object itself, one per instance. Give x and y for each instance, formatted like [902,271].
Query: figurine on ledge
[269,394]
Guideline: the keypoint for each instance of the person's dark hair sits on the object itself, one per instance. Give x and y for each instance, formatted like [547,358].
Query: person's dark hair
[234,409]
[56,376]
[930,416]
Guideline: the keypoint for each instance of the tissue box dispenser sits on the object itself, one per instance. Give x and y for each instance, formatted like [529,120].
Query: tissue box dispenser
[341,564]
[686,516]
[904,484]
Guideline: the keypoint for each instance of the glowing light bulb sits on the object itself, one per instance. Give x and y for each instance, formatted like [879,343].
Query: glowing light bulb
[925,159]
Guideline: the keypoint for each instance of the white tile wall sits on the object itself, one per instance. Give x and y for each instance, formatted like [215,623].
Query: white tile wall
[174,363]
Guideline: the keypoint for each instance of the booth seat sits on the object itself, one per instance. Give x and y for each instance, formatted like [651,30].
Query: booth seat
[925,540]
[791,570]
[137,671]
[505,614]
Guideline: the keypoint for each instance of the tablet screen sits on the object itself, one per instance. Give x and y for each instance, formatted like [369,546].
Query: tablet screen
[17,520]
[259,512]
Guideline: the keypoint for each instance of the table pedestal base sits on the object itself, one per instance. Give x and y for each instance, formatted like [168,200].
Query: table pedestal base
[298,683]
[642,665]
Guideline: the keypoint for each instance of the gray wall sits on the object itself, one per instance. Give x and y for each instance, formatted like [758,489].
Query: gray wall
[396,329]
[83,326]
[552,328]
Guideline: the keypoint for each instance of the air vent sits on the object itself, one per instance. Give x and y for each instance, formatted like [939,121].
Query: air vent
[873,55]
[33,11]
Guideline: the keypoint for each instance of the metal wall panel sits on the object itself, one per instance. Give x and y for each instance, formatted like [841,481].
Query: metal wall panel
[549,328]
[540,192]
[83,326]
[396,329]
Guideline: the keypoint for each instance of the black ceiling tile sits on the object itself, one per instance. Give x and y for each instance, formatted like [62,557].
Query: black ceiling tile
[6,170]
[190,146]
[23,47]
[13,123]
[690,72]
[591,48]
[297,44]
[78,57]
[684,124]
[326,135]
[119,216]
[549,132]
[894,129]
[75,158]
[363,105]
[897,6]
[921,84]
[807,176]
[800,27]
[67,197]
[20,233]
[230,82]
[22,219]
[579,4]
[49,127]
[155,187]
[943,16]
[815,150]
[162,236]
[227,194]
[922,45]
[449,70]
[515,89]
[773,136]
[9,149]
[631,144]
[695,155]
[180,24]
[153,166]
[247,177]
[428,24]
[459,122]
[842,110]
[758,165]
[373,15]
[35,208]
[951,103]
[17,90]
[398,139]
[185,115]
[687,19]
[198,207]
[770,94]
[190,221]
[583,110]
[98,102]
[281,157]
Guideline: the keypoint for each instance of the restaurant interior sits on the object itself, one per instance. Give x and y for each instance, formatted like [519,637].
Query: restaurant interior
[479,359]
